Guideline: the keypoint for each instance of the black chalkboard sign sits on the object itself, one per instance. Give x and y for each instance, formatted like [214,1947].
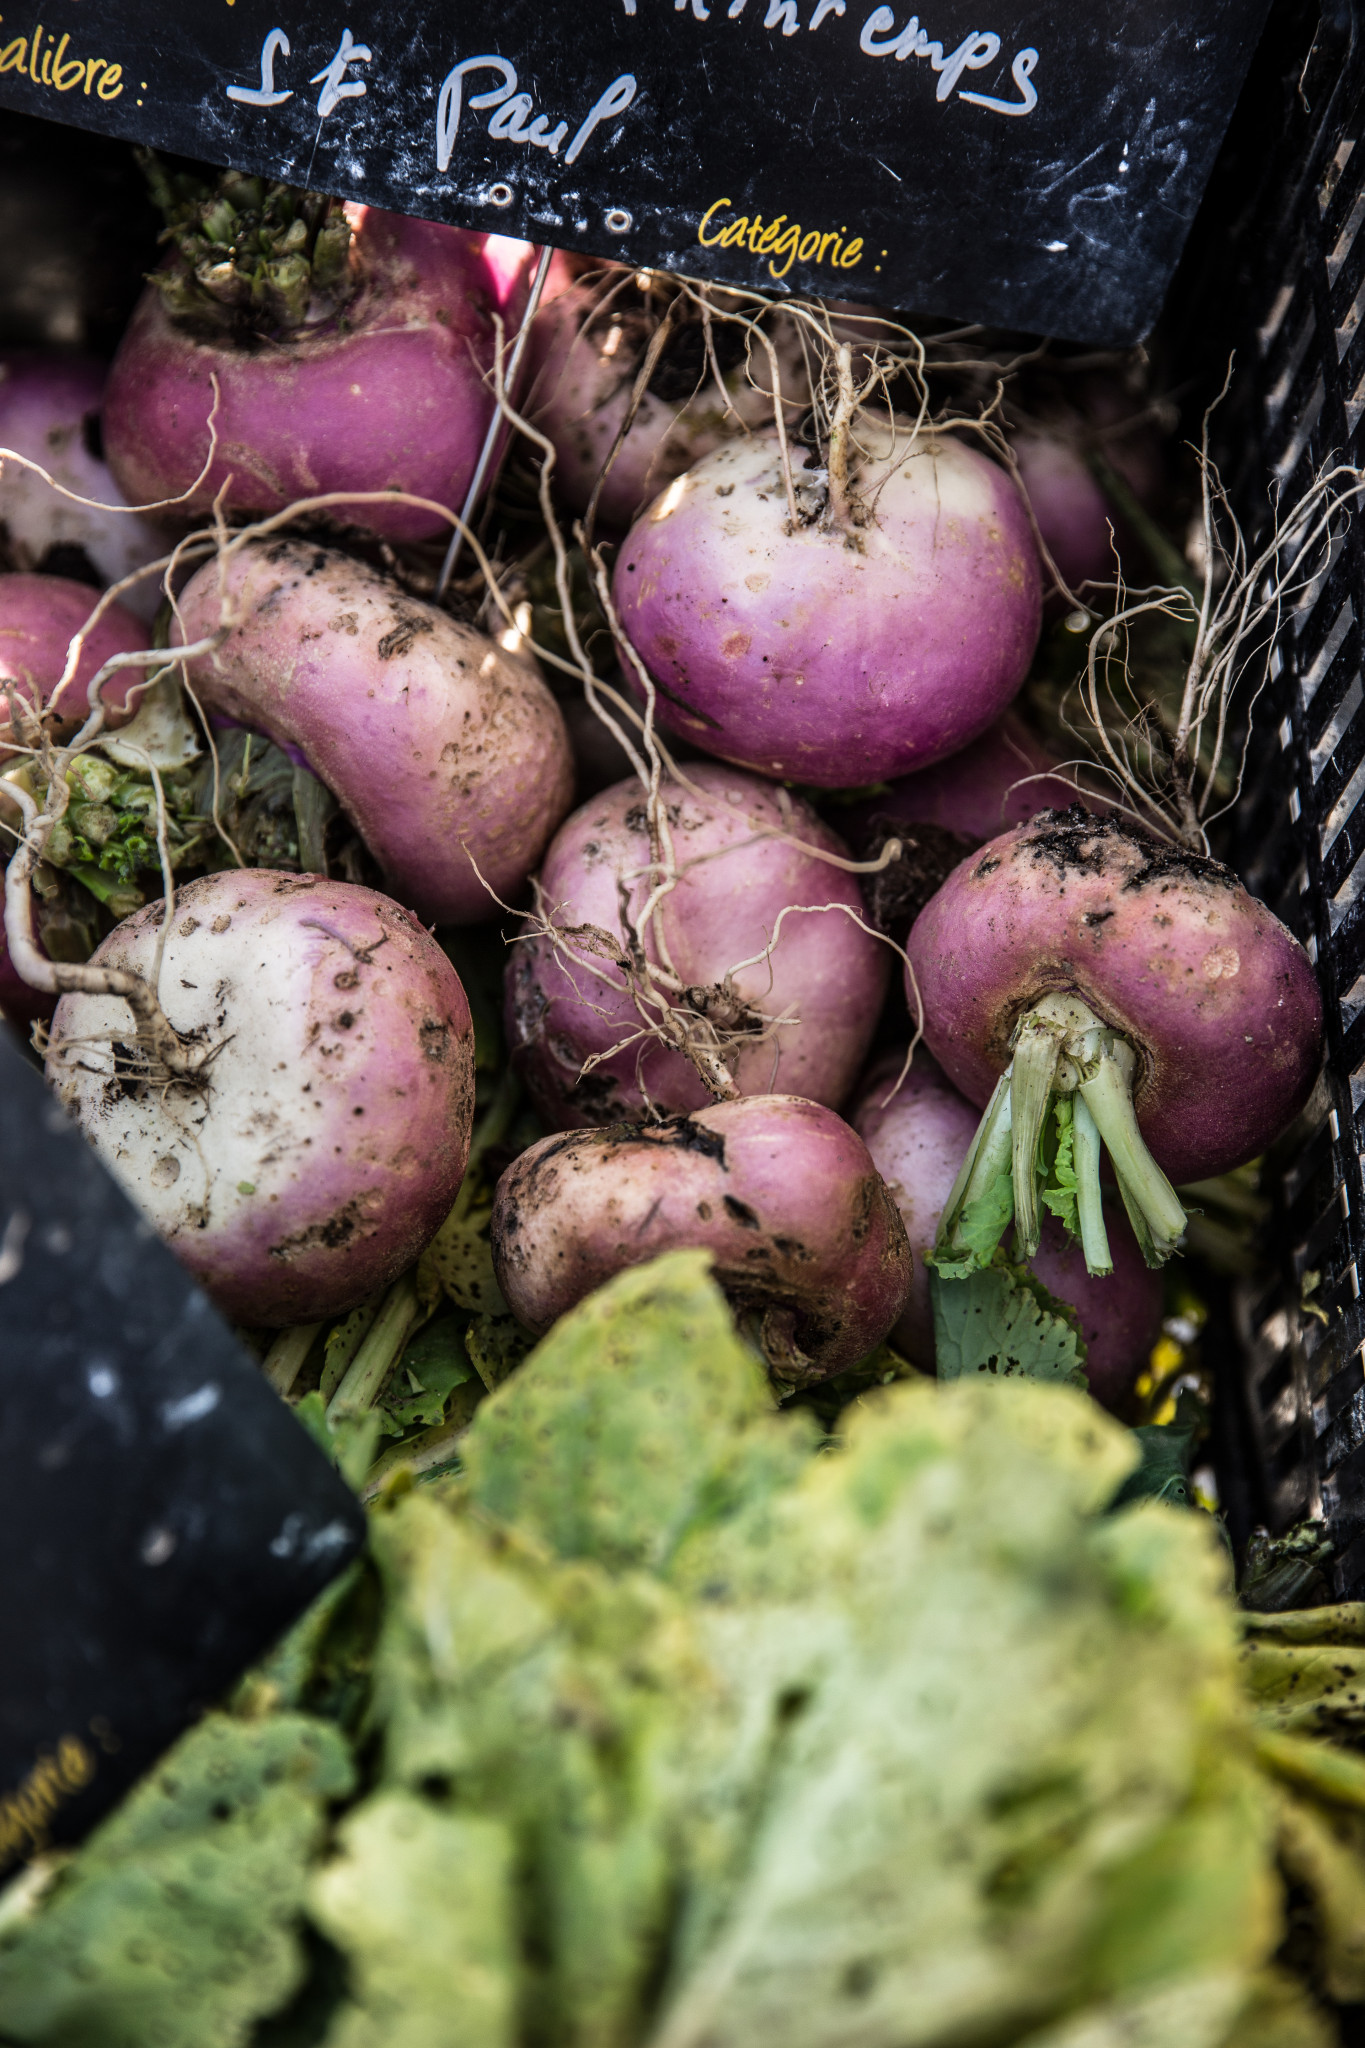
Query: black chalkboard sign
[163,1517]
[1030,164]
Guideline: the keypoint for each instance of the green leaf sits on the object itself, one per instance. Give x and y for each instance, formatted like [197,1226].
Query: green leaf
[1059,1189]
[496,1346]
[1164,1474]
[1003,1321]
[461,1258]
[639,1415]
[178,1923]
[437,1358]
[349,1443]
[422,1903]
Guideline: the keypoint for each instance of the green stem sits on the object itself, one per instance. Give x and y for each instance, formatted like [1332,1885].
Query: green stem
[1032,1072]
[1089,1198]
[1148,1196]
[343,1342]
[379,1353]
[313,806]
[987,1158]
[285,1359]
[1165,557]
[493,1127]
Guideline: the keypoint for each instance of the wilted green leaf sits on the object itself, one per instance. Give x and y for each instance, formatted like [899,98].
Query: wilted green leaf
[639,1415]
[421,1902]
[177,1925]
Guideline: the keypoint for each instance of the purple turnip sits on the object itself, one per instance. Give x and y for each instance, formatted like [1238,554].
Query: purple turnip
[1062,457]
[918,1138]
[447,752]
[807,1243]
[351,348]
[50,412]
[587,345]
[1078,957]
[800,1020]
[326,1138]
[998,780]
[880,630]
[39,618]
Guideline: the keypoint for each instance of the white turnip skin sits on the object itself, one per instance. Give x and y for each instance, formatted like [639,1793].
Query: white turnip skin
[807,1243]
[39,618]
[393,394]
[918,1138]
[587,344]
[50,412]
[327,1142]
[1080,953]
[446,752]
[835,653]
[826,973]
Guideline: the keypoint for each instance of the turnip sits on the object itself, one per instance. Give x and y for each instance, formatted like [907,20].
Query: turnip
[588,344]
[326,1136]
[50,412]
[807,1243]
[870,622]
[446,751]
[600,1017]
[351,349]
[39,618]
[1081,959]
[918,1136]
[1000,779]
[1065,455]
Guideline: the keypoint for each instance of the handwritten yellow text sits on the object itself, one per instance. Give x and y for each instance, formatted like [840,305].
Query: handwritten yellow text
[45,59]
[778,239]
[26,1813]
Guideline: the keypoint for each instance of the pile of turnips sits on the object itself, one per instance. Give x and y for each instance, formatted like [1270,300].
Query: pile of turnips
[818,591]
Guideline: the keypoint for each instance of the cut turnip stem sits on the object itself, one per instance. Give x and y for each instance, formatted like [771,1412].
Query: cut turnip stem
[1093,986]
[1061,1049]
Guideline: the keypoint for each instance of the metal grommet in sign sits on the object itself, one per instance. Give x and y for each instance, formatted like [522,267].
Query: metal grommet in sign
[618,221]
[500,195]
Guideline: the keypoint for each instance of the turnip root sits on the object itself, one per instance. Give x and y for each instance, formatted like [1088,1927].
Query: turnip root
[808,1245]
[1081,959]
[341,364]
[588,343]
[327,1136]
[39,618]
[446,752]
[918,1137]
[50,412]
[883,629]
[800,1019]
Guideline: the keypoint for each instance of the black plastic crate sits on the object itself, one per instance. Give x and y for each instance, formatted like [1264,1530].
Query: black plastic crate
[1276,274]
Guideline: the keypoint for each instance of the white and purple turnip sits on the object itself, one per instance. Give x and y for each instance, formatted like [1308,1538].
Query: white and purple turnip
[39,618]
[1077,956]
[447,752]
[50,412]
[918,1137]
[800,1020]
[352,351]
[588,343]
[807,1242]
[327,1136]
[883,630]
